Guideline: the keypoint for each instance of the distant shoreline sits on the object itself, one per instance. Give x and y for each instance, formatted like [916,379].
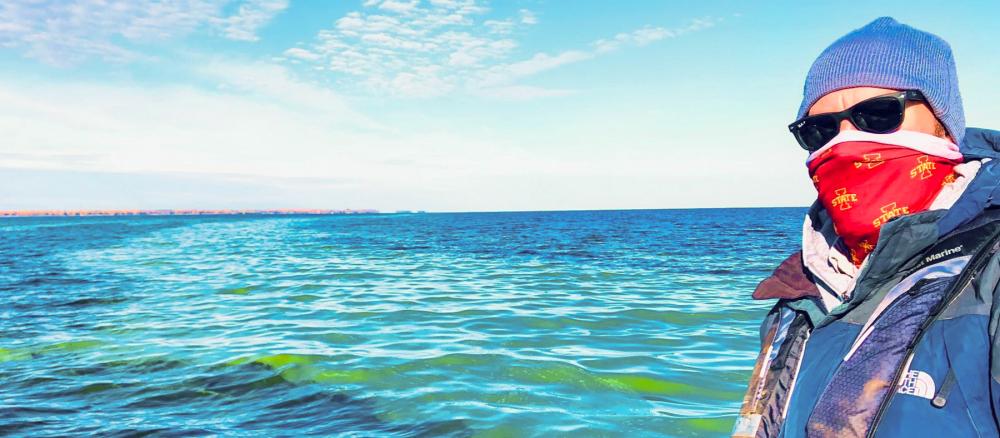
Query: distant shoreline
[171,212]
[320,212]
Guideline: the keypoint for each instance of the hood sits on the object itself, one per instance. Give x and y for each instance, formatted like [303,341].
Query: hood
[984,191]
[980,143]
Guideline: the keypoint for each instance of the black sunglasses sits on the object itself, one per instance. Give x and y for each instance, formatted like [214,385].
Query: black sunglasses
[879,115]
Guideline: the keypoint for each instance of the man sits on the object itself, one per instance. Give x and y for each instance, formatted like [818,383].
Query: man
[885,323]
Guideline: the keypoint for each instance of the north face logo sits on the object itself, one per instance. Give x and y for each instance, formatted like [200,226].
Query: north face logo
[917,383]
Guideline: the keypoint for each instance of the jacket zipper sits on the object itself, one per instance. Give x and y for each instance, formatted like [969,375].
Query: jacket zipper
[964,280]
[795,379]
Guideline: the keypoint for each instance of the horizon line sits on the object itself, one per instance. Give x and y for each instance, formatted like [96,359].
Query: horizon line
[320,212]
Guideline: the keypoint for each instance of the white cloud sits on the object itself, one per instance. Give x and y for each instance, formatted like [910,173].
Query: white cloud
[422,82]
[401,7]
[412,49]
[67,32]
[536,64]
[638,37]
[648,34]
[445,46]
[501,27]
[276,83]
[251,16]
[300,53]
[528,17]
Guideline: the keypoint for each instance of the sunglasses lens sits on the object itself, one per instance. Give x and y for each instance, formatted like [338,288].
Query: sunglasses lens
[816,131]
[878,115]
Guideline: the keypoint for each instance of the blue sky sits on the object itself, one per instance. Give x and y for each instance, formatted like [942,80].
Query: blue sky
[441,105]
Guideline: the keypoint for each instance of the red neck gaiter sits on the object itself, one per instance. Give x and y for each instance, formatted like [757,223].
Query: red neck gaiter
[864,184]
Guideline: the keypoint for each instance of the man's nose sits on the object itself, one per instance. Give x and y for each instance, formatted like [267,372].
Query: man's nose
[846,125]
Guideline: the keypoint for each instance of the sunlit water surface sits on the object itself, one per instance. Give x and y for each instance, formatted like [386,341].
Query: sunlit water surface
[610,323]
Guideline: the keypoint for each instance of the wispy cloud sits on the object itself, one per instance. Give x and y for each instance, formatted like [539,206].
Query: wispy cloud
[502,74]
[411,48]
[441,47]
[276,84]
[528,17]
[649,34]
[67,32]
[251,16]
[499,80]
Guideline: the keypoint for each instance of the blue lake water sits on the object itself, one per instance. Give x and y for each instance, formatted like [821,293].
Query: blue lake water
[605,323]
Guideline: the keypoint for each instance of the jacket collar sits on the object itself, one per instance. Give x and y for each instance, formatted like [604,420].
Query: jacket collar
[789,281]
[792,281]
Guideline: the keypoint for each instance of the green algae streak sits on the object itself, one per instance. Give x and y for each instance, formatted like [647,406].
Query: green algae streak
[237,290]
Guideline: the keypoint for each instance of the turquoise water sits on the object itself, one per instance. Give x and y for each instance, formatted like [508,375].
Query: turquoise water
[609,323]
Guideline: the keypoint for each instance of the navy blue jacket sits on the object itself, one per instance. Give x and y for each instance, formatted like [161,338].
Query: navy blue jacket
[914,351]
